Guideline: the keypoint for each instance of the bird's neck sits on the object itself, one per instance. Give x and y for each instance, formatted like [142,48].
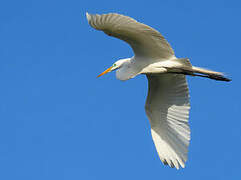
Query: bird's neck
[128,69]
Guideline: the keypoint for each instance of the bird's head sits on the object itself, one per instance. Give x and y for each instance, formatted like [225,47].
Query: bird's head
[118,64]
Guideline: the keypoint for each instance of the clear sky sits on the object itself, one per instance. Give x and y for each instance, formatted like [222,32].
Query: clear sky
[58,121]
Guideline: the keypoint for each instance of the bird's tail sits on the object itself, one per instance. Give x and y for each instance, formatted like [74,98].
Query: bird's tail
[187,69]
[218,76]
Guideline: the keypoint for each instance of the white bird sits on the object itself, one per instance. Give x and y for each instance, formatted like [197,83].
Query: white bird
[167,105]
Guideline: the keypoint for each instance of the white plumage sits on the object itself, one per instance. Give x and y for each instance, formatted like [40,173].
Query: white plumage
[167,105]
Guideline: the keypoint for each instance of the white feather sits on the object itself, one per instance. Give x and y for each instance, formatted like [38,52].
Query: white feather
[167,107]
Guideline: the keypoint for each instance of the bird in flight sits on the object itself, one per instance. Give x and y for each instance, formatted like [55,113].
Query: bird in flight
[167,104]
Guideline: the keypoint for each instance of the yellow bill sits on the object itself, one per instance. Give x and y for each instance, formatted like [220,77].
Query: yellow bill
[106,71]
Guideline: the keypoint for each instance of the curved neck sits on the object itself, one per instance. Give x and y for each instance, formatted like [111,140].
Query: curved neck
[128,69]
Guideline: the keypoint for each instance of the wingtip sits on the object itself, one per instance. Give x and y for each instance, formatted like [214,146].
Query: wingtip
[88,16]
[173,164]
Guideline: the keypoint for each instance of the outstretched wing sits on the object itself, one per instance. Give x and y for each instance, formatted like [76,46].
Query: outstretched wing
[167,107]
[144,40]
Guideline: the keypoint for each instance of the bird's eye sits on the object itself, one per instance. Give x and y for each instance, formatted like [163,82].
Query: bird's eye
[114,65]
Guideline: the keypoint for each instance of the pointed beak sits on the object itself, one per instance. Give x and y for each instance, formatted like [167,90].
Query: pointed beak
[106,71]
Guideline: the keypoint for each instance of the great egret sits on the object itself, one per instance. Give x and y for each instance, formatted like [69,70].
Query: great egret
[167,105]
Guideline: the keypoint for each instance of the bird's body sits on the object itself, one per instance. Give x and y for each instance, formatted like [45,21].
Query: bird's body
[167,105]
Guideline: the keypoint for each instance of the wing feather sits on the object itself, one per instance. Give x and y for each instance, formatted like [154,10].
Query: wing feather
[167,107]
[144,40]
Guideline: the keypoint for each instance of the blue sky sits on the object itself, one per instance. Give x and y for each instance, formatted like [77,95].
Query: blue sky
[58,121]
